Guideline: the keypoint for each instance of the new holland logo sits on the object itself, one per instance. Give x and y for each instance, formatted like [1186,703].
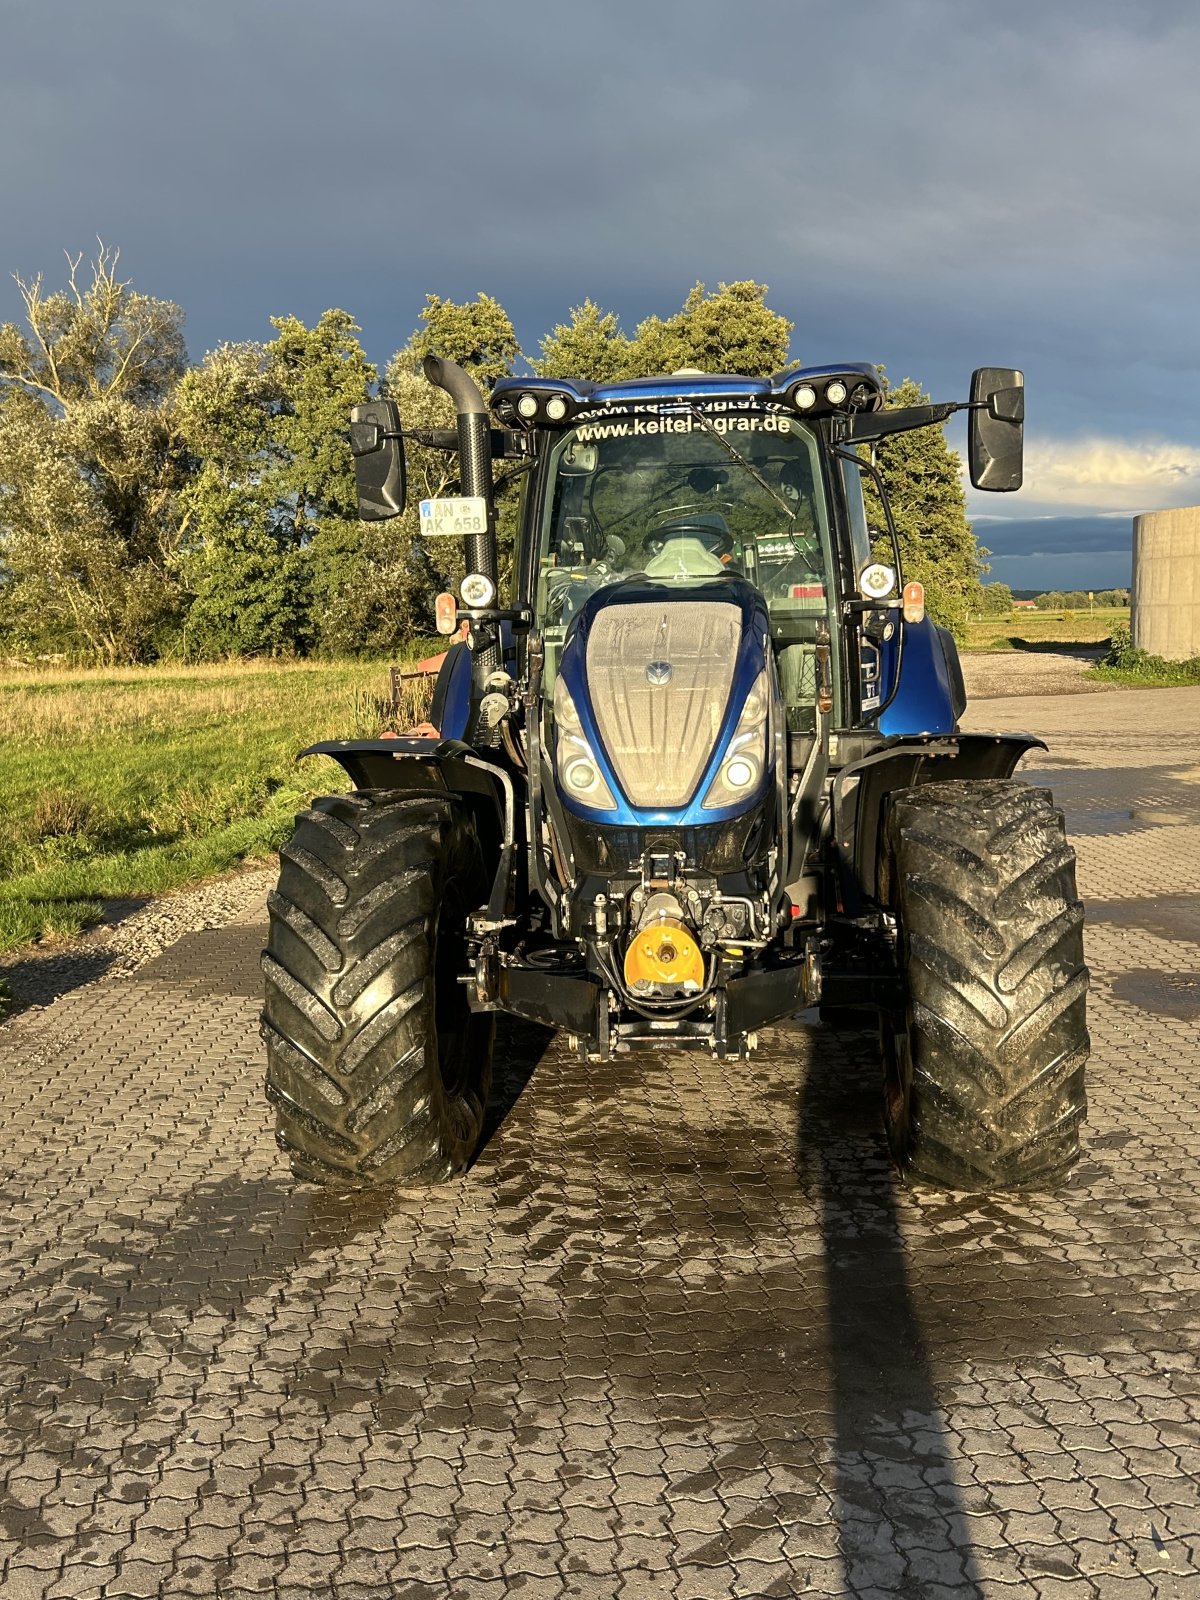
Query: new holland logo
[658,672]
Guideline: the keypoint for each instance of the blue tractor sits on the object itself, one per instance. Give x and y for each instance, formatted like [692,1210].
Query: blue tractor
[700,772]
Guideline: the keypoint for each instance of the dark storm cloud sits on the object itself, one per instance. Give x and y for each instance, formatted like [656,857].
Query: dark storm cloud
[921,182]
[1057,552]
[1048,536]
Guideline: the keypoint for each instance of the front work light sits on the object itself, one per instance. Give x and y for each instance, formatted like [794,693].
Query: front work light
[805,397]
[527,406]
[556,408]
[836,392]
[579,774]
[745,760]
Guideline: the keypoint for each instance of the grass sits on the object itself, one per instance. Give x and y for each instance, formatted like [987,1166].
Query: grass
[1139,669]
[132,782]
[1043,630]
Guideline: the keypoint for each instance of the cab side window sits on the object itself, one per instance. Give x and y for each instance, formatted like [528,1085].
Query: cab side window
[860,533]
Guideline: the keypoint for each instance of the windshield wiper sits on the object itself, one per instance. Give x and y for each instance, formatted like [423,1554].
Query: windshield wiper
[735,455]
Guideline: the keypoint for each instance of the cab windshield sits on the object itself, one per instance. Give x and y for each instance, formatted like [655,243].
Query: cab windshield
[685,497]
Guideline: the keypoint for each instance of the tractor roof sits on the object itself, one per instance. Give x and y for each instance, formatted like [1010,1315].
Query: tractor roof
[852,385]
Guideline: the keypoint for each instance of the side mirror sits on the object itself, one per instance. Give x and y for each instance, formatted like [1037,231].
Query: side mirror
[996,432]
[378,451]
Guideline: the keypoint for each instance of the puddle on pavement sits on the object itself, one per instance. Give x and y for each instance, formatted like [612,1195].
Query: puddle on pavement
[1114,800]
[1167,916]
[215,963]
[1165,994]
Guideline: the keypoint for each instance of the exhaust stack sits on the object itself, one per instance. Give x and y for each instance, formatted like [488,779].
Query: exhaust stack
[475,478]
[474,455]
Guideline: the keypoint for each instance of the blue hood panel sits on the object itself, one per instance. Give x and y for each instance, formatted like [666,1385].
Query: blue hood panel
[753,653]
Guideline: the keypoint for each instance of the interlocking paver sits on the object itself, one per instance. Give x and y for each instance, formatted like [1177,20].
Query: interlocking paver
[678,1334]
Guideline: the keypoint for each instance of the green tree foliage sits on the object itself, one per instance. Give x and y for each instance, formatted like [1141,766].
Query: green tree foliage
[147,508]
[478,334]
[731,330]
[1082,600]
[89,465]
[924,483]
[272,533]
[591,345]
[995,600]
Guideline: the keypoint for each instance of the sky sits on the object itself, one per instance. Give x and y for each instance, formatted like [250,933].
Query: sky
[930,184]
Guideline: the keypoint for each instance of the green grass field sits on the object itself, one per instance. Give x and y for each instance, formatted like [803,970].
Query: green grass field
[117,784]
[1042,630]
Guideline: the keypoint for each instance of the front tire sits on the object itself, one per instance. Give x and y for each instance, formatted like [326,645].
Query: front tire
[984,1072]
[378,1072]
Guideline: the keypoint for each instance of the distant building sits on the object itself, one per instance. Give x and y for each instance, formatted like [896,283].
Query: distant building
[1025,605]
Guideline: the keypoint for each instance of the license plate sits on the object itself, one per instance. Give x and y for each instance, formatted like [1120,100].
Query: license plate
[441,519]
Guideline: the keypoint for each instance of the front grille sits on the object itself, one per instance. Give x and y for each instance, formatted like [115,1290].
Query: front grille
[660,734]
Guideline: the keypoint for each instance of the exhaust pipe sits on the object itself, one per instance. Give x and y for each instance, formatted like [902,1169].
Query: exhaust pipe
[474,458]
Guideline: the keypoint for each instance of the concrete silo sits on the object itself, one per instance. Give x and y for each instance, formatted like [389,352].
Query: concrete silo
[1166,583]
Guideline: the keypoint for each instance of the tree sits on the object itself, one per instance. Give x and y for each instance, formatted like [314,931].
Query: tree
[272,516]
[478,334]
[89,465]
[996,600]
[731,330]
[923,477]
[591,345]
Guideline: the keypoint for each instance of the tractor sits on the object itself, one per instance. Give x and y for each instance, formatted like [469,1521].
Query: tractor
[699,772]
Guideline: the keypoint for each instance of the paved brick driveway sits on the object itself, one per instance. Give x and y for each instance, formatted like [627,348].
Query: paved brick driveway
[679,1332]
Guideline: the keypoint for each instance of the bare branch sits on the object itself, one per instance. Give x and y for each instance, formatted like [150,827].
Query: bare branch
[72,269]
[31,295]
[29,383]
[121,371]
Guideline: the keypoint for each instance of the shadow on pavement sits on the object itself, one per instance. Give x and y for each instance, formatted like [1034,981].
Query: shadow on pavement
[39,974]
[893,1476]
[519,1048]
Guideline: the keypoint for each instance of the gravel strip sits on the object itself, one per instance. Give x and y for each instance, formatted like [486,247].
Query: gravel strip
[997,674]
[132,933]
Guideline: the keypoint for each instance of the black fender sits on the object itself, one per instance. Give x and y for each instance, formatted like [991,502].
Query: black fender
[861,790]
[444,766]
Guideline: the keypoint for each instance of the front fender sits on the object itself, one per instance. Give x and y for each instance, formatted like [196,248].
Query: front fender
[861,790]
[930,697]
[443,766]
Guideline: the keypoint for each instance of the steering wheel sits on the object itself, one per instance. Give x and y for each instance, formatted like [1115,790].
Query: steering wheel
[689,522]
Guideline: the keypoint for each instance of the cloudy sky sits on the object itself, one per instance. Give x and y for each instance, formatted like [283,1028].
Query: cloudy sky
[932,184]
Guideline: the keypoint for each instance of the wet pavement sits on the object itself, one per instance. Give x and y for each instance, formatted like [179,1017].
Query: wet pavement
[680,1332]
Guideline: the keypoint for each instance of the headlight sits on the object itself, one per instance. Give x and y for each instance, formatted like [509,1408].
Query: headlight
[575,763]
[745,759]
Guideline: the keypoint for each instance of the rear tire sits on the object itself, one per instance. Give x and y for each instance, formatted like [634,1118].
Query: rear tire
[378,1072]
[984,1072]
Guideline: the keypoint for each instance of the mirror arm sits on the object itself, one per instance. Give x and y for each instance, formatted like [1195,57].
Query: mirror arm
[505,442]
[868,425]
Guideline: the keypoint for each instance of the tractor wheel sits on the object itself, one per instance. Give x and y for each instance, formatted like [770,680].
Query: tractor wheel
[983,1073]
[378,1072]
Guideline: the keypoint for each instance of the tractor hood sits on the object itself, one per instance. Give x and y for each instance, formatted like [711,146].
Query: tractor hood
[665,693]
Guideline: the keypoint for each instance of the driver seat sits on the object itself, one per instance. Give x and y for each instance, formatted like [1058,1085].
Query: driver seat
[685,557]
